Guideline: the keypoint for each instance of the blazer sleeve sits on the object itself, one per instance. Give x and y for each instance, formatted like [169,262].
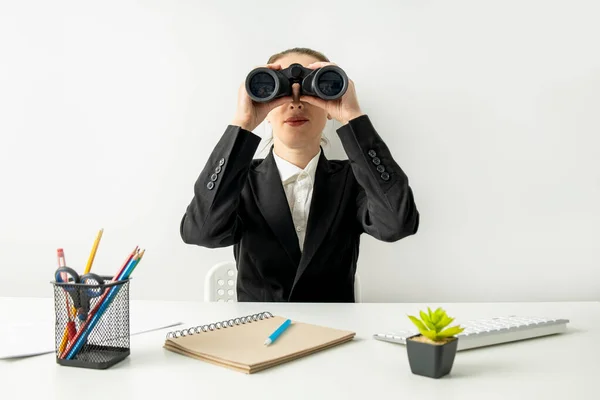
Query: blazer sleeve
[386,207]
[211,218]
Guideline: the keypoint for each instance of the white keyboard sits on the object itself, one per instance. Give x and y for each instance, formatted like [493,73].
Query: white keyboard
[488,332]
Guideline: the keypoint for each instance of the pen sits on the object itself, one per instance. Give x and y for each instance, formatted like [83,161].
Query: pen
[278,332]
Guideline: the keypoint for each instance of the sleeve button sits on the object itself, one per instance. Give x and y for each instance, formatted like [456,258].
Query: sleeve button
[372,153]
[210,185]
[221,162]
[218,169]
[380,168]
[376,161]
[385,176]
[213,177]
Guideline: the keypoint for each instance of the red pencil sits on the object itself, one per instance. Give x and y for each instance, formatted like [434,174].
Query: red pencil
[133,253]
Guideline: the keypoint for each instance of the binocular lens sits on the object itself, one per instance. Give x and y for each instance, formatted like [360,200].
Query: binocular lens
[330,83]
[262,85]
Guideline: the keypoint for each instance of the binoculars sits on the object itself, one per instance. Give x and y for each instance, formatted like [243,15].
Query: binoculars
[328,83]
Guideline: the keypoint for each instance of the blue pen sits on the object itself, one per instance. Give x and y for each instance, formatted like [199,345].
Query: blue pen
[278,332]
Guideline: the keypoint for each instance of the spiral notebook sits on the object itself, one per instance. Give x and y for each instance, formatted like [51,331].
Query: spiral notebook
[238,343]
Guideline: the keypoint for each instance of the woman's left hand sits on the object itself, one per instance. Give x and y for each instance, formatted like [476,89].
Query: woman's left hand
[343,109]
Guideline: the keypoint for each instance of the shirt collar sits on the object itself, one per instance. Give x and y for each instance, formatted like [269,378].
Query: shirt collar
[290,172]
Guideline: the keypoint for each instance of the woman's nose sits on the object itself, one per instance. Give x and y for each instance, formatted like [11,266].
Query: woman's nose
[296,96]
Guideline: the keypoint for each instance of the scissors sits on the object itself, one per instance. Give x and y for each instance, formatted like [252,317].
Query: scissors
[81,295]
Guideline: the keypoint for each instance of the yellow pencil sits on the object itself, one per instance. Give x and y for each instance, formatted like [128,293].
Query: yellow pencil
[63,342]
[88,267]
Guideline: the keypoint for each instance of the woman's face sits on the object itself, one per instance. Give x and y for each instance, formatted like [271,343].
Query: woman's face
[297,124]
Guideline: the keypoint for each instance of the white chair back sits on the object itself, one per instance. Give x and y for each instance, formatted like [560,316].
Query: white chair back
[220,284]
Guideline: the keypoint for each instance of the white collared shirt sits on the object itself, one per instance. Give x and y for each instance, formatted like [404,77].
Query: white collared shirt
[298,186]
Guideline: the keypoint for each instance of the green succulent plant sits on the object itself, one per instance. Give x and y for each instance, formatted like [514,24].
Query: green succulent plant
[434,325]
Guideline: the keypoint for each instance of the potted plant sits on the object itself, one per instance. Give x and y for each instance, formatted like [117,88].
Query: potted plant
[431,352]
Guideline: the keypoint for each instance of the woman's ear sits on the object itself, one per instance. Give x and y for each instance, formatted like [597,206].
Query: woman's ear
[328,116]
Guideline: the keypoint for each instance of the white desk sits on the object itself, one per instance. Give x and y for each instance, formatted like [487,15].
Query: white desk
[558,367]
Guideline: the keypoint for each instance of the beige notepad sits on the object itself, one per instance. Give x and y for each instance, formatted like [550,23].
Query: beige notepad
[239,344]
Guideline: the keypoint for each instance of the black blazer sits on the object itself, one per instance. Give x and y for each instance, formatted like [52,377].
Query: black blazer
[240,201]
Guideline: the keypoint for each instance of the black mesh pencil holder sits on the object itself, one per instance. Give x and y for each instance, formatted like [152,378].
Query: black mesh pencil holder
[91,321]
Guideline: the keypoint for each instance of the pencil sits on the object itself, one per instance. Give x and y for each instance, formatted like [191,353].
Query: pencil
[88,267]
[139,258]
[93,253]
[60,253]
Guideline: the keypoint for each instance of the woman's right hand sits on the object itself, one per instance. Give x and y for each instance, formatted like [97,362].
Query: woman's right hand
[250,114]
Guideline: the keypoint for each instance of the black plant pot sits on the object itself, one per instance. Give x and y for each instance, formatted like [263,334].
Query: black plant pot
[431,360]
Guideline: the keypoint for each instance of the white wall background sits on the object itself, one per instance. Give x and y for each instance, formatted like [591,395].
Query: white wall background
[109,110]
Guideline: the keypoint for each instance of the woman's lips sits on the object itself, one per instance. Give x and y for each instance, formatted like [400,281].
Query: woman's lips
[296,121]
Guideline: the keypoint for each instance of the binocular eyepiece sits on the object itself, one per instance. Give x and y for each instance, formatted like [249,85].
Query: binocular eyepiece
[328,83]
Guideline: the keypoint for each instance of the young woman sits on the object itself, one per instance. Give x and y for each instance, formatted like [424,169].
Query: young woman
[295,218]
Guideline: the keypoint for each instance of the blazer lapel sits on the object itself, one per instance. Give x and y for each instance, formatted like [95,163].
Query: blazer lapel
[272,202]
[327,192]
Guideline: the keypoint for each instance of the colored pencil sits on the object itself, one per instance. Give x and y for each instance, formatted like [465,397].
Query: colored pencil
[60,254]
[88,267]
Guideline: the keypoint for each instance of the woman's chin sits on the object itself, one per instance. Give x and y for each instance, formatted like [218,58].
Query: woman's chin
[295,131]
